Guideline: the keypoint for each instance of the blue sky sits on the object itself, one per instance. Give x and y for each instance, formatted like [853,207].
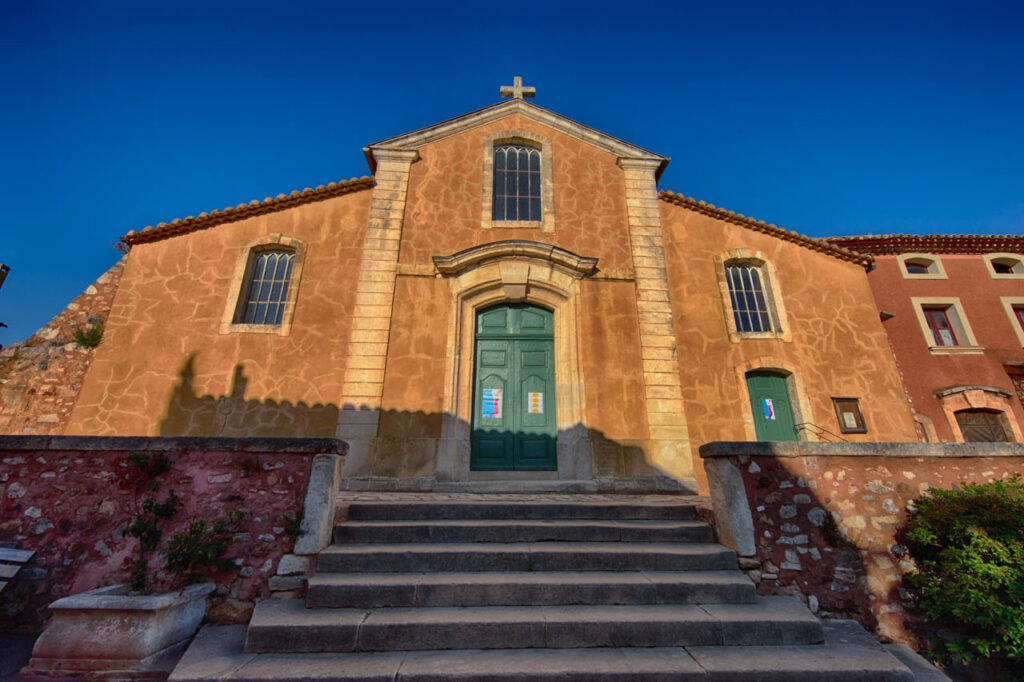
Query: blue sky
[823,117]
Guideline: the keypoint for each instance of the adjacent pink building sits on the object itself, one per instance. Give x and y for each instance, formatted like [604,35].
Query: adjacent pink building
[953,306]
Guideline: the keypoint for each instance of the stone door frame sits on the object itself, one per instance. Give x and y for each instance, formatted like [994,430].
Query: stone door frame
[513,271]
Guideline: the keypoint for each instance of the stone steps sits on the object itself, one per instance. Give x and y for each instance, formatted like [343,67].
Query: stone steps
[591,588]
[376,590]
[217,655]
[540,511]
[488,530]
[288,626]
[522,556]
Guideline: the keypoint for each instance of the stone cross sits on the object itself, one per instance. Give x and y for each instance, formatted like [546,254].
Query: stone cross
[517,91]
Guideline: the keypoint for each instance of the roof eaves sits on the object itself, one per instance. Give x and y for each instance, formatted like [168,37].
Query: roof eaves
[889,244]
[242,211]
[819,245]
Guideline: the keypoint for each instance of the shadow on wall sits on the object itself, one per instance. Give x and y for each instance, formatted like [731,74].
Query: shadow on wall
[233,415]
[406,441]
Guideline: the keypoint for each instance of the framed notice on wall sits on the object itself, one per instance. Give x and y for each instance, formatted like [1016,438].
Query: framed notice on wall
[851,420]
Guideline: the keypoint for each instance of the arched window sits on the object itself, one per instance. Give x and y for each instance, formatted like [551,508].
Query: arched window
[266,291]
[750,308]
[264,288]
[982,426]
[517,183]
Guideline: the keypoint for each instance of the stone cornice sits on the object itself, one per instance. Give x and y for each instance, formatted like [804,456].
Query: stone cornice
[474,119]
[522,249]
[889,450]
[243,211]
[820,245]
[172,444]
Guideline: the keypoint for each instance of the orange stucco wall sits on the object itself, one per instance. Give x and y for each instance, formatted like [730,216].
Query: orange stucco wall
[838,346]
[164,368]
[925,372]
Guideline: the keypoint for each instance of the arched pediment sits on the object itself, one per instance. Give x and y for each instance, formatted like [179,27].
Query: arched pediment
[515,249]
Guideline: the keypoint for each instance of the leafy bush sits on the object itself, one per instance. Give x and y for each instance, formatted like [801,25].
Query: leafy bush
[198,551]
[969,547]
[89,338]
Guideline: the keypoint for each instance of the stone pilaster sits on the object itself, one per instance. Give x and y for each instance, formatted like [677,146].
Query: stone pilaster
[371,318]
[670,445]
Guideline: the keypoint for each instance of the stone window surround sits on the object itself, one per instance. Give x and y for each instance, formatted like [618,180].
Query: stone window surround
[802,413]
[951,302]
[239,280]
[772,294]
[513,278]
[927,427]
[957,398]
[940,270]
[990,257]
[1009,303]
[547,192]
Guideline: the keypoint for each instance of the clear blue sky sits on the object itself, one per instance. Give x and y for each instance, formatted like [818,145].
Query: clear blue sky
[823,117]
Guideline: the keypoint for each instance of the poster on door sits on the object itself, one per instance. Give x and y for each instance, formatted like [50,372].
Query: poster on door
[535,403]
[769,409]
[491,408]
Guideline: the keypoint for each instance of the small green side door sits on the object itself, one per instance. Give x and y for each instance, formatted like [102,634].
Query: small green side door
[773,412]
[514,425]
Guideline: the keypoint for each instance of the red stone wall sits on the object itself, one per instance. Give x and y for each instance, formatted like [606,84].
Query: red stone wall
[853,569]
[70,499]
[40,378]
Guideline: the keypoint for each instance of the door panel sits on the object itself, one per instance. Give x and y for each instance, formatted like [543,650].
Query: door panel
[514,357]
[769,401]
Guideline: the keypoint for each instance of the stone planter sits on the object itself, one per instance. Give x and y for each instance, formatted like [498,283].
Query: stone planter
[108,633]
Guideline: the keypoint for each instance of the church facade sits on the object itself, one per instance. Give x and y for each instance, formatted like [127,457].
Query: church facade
[508,297]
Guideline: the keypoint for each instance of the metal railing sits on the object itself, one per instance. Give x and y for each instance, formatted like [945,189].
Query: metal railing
[820,431]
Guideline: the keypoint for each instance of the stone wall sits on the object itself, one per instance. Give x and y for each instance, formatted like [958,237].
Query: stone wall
[40,378]
[70,499]
[824,520]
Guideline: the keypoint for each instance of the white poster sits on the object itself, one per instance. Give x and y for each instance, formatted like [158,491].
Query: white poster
[535,403]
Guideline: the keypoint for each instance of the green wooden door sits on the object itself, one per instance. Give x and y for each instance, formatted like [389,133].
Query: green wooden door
[773,412]
[514,426]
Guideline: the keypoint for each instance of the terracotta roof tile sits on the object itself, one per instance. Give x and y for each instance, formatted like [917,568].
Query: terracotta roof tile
[820,245]
[242,211]
[885,244]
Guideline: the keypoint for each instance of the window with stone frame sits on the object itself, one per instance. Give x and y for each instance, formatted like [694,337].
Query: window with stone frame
[982,426]
[943,323]
[749,299]
[266,291]
[516,183]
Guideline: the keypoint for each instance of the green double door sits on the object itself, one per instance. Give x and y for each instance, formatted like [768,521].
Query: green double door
[769,401]
[514,425]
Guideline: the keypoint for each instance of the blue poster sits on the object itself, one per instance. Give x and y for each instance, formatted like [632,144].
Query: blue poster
[769,409]
[491,407]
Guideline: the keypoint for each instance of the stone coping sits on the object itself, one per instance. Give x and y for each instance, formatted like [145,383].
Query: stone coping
[119,598]
[173,444]
[808,449]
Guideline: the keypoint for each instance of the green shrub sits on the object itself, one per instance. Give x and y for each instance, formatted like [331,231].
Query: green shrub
[198,551]
[89,338]
[969,547]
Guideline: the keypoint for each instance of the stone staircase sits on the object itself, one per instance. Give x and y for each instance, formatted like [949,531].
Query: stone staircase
[592,589]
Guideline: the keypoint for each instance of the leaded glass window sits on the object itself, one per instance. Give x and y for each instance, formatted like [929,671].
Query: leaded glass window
[749,304]
[267,292]
[516,183]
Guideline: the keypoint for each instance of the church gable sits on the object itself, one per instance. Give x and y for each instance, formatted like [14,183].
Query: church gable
[580,192]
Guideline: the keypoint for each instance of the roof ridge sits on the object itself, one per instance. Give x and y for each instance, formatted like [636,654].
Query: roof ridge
[246,210]
[813,243]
